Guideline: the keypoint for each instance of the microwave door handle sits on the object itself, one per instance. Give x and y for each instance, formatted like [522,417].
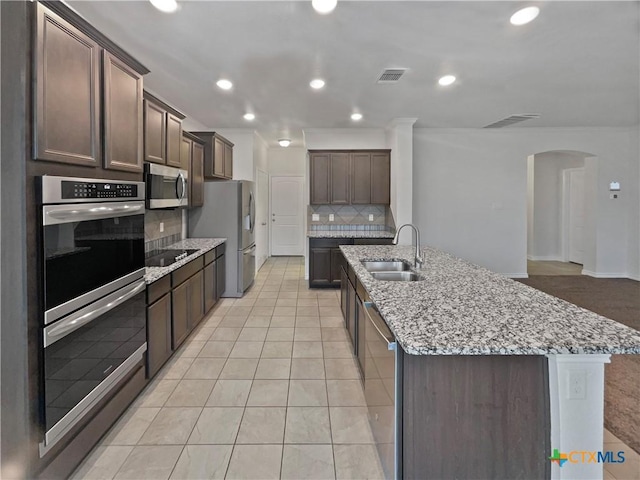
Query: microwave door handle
[183,182]
[73,322]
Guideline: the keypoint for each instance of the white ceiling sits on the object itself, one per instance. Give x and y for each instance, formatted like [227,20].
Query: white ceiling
[576,65]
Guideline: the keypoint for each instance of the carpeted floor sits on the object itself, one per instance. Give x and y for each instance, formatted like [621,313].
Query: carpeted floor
[618,299]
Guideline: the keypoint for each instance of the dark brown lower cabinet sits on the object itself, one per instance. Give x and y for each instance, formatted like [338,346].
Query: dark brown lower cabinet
[196,306]
[320,267]
[337,259]
[344,282]
[352,314]
[158,334]
[326,258]
[210,290]
[180,314]
[221,272]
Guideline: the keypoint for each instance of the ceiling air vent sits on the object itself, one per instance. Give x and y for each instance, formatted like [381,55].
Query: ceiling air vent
[391,75]
[516,118]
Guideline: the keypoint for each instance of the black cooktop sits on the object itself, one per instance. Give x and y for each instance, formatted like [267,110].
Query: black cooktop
[164,258]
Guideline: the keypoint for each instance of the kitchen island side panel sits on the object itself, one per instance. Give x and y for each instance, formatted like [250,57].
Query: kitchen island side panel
[475,417]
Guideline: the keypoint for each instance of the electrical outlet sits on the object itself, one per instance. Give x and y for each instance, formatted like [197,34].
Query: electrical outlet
[161,227]
[331,217]
[315,217]
[577,384]
[371,217]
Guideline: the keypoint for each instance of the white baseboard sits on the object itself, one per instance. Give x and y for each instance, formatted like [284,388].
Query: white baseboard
[516,275]
[604,275]
[635,277]
[550,258]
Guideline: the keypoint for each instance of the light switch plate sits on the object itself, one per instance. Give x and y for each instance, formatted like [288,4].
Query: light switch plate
[331,217]
[161,227]
[315,217]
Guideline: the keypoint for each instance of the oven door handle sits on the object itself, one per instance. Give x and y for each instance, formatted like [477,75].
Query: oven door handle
[74,321]
[54,215]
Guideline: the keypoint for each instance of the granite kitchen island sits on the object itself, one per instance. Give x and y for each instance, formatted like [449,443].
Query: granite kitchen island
[491,375]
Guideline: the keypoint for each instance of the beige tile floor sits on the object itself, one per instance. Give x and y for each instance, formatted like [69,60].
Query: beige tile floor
[266,387]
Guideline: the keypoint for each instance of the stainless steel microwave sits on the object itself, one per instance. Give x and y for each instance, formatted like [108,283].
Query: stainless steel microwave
[166,186]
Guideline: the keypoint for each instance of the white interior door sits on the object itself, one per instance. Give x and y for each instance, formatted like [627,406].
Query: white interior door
[262,219]
[576,215]
[287,215]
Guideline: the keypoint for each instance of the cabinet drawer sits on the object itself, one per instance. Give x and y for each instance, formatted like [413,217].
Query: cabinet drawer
[186,271]
[158,289]
[210,256]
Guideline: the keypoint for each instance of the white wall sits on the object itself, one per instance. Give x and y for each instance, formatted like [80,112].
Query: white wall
[548,201]
[399,139]
[344,138]
[472,200]
[260,160]
[287,161]
[634,213]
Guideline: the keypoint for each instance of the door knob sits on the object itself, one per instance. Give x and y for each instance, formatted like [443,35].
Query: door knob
[273,220]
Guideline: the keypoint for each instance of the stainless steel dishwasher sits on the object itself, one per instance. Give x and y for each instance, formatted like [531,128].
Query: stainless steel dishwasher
[382,390]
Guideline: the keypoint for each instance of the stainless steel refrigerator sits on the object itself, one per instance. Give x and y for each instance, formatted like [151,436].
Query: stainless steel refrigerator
[229,211]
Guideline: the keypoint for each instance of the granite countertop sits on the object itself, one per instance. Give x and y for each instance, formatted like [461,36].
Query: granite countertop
[202,244]
[464,309]
[349,234]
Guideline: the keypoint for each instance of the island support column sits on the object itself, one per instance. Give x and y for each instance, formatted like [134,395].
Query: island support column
[576,401]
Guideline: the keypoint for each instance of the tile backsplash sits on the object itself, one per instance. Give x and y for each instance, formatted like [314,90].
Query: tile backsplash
[153,237]
[350,217]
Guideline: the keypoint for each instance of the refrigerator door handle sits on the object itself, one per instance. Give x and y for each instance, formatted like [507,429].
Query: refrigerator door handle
[252,212]
[249,250]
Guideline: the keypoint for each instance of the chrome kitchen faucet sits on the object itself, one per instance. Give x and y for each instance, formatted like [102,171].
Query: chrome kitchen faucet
[418,260]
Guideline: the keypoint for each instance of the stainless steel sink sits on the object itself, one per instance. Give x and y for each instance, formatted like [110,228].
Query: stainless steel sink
[386,266]
[405,276]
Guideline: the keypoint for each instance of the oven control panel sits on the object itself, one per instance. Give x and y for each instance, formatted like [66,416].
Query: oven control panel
[71,190]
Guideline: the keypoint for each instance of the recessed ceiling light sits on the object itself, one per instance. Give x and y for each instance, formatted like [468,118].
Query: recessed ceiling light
[447,80]
[524,16]
[224,84]
[284,142]
[249,116]
[324,6]
[167,6]
[356,116]
[317,83]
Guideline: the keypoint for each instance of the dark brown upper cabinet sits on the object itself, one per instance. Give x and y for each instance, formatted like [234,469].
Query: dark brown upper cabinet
[67,93]
[197,175]
[192,157]
[350,177]
[380,178]
[155,133]
[340,185]
[174,140]
[82,116]
[162,132]
[370,178]
[361,178]
[319,168]
[218,156]
[122,116]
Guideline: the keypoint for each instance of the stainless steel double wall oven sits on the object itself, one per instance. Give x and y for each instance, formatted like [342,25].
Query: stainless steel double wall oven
[94,326]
